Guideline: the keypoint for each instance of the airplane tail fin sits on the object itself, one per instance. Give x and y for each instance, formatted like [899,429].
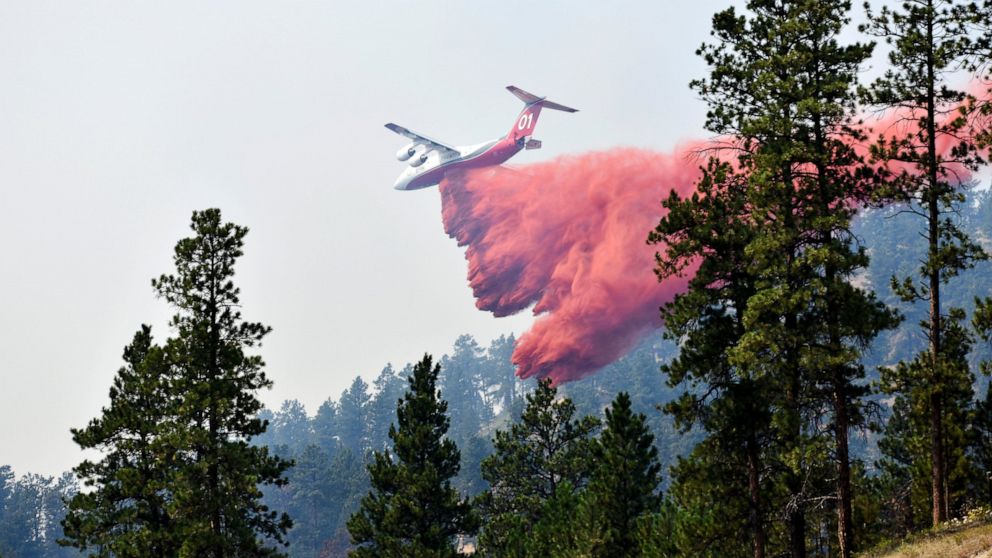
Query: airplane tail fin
[523,127]
[530,99]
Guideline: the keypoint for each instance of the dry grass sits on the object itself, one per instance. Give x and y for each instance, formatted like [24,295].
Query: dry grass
[966,542]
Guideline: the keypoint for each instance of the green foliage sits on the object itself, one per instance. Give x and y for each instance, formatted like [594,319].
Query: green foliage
[389,387]
[929,42]
[624,482]
[125,513]
[352,419]
[31,509]
[412,509]
[613,516]
[179,476]
[215,494]
[981,321]
[461,381]
[782,326]
[711,228]
[541,458]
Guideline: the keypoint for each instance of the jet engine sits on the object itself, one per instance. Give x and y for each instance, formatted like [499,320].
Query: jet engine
[419,159]
[406,151]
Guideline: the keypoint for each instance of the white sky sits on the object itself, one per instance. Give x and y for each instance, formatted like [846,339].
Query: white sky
[117,119]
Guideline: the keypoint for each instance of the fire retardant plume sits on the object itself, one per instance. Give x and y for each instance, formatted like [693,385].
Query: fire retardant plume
[568,236]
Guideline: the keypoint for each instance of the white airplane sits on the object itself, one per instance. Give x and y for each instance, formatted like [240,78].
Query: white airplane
[431,160]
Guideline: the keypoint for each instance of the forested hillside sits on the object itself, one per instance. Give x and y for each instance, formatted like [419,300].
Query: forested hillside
[819,387]
[332,445]
[890,236]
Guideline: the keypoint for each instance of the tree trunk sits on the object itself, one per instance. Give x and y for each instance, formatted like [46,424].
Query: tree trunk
[796,511]
[845,535]
[754,492]
[937,474]
[793,435]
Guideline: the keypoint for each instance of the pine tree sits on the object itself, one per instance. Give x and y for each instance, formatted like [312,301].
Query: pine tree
[981,434]
[460,384]
[412,510]
[389,388]
[711,229]
[981,321]
[502,373]
[125,513]
[623,487]
[530,463]
[215,499]
[928,44]
[311,493]
[352,424]
[908,438]
[291,426]
[324,426]
[781,90]
[981,451]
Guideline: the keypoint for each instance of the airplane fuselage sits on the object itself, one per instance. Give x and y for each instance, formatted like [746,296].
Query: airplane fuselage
[430,161]
[438,165]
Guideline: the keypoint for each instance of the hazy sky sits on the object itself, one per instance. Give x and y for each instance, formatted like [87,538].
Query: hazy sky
[117,119]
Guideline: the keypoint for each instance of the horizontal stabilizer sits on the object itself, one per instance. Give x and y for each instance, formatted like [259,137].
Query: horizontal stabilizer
[556,106]
[532,99]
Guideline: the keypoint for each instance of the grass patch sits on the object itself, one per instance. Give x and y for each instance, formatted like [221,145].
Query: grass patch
[969,540]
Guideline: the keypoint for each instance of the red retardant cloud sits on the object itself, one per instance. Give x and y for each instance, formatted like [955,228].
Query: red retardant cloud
[569,237]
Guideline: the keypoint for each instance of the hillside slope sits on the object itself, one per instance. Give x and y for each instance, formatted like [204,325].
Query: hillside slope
[968,540]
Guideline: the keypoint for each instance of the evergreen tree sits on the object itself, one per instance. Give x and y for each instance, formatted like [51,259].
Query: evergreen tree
[412,510]
[291,426]
[981,451]
[312,499]
[623,486]
[982,421]
[530,462]
[564,529]
[981,321]
[711,228]
[324,424]
[214,495]
[461,386]
[389,387]
[781,88]
[928,45]
[352,420]
[908,438]
[6,490]
[125,513]
[502,374]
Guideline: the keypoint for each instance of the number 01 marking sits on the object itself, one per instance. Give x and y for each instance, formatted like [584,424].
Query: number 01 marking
[525,121]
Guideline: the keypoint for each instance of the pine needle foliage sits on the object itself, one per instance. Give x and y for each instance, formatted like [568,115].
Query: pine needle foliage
[412,510]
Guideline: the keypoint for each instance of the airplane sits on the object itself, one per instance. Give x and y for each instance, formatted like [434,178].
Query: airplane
[431,160]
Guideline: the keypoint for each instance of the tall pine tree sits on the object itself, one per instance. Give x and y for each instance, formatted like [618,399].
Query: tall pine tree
[711,229]
[781,90]
[530,465]
[623,487]
[928,44]
[215,495]
[180,475]
[412,510]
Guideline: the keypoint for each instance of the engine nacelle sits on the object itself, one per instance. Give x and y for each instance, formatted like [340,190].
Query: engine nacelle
[419,159]
[406,151]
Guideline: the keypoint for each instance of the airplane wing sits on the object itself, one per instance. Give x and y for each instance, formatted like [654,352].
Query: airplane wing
[433,144]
